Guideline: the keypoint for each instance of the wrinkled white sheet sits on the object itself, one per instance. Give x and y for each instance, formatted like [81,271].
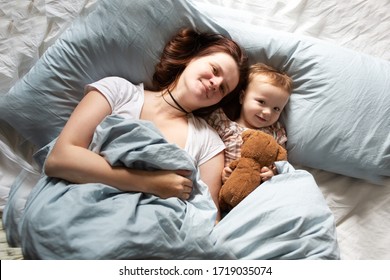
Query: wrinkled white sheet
[28,28]
[356,24]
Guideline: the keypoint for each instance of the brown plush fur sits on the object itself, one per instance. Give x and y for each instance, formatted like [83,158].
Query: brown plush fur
[259,149]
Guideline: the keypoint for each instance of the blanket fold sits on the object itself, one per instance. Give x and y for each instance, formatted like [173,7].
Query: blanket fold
[285,218]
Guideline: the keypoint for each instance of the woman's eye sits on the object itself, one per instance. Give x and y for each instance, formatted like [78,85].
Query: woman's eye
[222,89]
[215,70]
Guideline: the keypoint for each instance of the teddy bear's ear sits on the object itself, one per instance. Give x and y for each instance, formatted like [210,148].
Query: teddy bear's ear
[282,154]
[246,134]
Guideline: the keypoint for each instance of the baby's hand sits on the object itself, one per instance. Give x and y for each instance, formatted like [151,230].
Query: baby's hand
[226,172]
[266,173]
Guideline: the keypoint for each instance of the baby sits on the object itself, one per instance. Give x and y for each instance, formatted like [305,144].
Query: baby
[262,102]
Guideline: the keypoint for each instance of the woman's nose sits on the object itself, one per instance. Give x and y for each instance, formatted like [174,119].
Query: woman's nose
[215,82]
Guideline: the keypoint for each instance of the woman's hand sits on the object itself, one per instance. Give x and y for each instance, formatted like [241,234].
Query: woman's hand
[165,184]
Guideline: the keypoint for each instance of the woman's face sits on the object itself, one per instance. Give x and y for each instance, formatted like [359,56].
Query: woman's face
[206,80]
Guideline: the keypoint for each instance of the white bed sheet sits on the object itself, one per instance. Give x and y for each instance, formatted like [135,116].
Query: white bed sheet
[362,210]
[27,29]
[362,25]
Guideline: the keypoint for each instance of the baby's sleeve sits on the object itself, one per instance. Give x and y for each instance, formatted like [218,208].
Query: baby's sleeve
[218,121]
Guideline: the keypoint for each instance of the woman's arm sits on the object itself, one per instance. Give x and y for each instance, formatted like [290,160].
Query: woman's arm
[210,174]
[71,160]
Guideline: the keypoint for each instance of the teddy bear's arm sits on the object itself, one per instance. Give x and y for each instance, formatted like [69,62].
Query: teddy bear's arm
[282,154]
[233,164]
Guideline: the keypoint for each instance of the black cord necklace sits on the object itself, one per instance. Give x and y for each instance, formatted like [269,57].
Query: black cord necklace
[179,107]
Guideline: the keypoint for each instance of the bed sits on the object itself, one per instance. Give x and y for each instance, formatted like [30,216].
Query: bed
[337,121]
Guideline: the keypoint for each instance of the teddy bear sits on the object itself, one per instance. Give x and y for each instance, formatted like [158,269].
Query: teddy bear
[259,149]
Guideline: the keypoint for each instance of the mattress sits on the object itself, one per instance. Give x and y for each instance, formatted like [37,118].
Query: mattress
[361,209]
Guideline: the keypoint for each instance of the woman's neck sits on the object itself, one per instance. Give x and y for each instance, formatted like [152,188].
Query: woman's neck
[176,105]
[172,123]
[155,106]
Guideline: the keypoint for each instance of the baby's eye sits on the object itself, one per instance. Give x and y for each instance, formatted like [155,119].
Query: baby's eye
[277,109]
[262,102]
[215,70]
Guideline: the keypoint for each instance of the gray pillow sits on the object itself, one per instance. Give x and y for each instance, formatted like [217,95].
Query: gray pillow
[119,38]
[338,117]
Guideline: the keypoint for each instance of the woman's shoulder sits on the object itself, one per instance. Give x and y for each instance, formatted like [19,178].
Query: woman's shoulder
[202,129]
[122,95]
[204,142]
[117,85]
[117,81]
[198,122]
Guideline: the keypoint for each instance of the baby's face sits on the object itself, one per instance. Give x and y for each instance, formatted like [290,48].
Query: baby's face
[262,104]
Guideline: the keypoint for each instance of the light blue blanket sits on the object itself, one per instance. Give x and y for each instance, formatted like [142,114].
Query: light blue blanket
[285,218]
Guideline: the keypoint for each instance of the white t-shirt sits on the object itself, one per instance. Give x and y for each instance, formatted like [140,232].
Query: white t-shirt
[127,99]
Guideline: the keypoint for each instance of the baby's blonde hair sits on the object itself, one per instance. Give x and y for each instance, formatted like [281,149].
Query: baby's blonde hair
[274,77]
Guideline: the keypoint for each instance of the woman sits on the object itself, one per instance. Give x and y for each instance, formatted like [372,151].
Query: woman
[197,71]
